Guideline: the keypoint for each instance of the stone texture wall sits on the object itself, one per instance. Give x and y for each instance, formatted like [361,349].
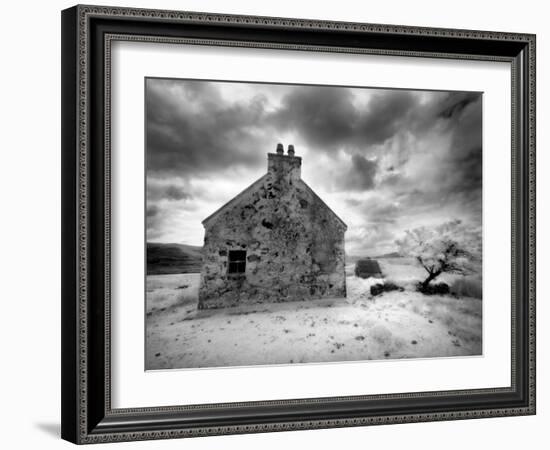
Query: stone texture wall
[294,243]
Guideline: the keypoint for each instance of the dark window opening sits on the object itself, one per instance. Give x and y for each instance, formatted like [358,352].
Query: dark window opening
[237,261]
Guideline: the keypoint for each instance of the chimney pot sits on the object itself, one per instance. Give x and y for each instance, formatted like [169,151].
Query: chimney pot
[291,150]
[280,149]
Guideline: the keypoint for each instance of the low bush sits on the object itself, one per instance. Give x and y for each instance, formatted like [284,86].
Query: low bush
[467,287]
[388,286]
[366,268]
[433,289]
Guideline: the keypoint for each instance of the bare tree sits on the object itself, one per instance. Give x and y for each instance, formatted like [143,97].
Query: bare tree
[448,248]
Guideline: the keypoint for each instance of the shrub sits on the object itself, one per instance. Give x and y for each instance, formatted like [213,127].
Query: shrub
[467,287]
[388,286]
[433,289]
[366,268]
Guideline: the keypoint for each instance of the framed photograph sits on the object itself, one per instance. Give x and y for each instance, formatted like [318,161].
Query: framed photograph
[278,224]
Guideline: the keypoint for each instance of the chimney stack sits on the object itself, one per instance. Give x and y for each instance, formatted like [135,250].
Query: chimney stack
[284,166]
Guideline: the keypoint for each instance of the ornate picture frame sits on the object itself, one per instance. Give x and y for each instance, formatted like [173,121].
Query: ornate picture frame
[88,33]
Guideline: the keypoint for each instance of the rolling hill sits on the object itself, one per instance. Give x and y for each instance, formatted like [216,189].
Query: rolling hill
[173,258]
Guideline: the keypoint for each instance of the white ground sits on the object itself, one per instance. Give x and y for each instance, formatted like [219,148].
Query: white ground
[360,327]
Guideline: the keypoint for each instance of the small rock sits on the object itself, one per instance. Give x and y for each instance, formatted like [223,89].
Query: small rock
[413,342]
[359,338]
[157,354]
[386,354]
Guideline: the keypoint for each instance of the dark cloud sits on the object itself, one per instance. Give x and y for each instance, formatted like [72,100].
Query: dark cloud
[157,191]
[388,112]
[455,102]
[450,174]
[461,171]
[176,193]
[360,175]
[323,116]
[191,130]
[329,119]
[156,220]
[152,210]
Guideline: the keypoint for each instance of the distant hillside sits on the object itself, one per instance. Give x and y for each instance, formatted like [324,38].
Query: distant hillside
[389,255]
[350,259]
[173,258]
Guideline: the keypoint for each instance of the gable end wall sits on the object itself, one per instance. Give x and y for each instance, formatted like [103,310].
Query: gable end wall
[294,245]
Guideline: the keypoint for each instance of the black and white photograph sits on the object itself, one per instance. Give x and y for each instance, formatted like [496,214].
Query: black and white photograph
[292,224]
[279,219]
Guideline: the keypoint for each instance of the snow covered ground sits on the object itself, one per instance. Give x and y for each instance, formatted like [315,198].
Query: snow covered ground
[360,327]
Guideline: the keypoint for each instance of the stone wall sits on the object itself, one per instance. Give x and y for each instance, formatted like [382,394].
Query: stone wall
[294,243]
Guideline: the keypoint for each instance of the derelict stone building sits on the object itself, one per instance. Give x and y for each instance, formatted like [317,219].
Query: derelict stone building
[276,241]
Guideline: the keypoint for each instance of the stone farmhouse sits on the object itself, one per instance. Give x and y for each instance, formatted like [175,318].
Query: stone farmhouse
[276,241]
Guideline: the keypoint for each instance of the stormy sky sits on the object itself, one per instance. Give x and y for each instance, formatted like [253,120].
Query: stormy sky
[384,160]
